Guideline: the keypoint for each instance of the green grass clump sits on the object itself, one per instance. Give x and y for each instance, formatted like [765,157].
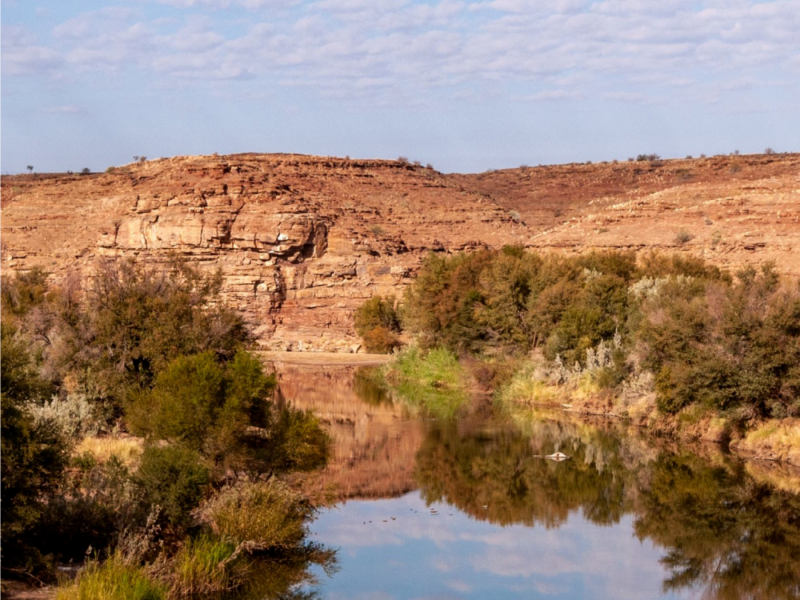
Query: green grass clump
[265,514]
[199,569]
[112,580]
[526,388]
[432,380]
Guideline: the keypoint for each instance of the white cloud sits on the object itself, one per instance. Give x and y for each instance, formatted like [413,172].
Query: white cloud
[571,48]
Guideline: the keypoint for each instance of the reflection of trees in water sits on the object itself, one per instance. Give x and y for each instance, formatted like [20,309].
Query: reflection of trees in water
[722,531]
[500,470]
[286,576]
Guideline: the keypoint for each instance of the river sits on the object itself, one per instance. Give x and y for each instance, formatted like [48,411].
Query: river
[473,508]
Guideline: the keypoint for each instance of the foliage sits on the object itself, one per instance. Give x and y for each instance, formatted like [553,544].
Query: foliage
[265,514]
[113,579]
[94,505]
[174,478]
[728,347]
[73,414]
[378,324]
[132,320]
[34,453]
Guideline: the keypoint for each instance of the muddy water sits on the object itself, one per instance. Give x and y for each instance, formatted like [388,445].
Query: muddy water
[472,508]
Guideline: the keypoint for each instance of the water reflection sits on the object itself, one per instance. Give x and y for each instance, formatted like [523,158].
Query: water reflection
[502,476]
[622,517]
[721,529]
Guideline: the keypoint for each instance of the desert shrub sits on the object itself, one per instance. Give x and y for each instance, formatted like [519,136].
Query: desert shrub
[296,442]
[380,340]
[174,478]
[96,502]
[203,404]
[34,454]
[377,323]
[726,346]
[265,514]
[23,292]
[132,320]
[113,579]
[199,567]
[74,414]
[683,236]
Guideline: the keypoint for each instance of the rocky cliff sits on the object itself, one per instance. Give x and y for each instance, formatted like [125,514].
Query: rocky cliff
[301,241]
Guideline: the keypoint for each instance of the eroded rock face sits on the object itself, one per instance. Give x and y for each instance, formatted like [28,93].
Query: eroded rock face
[300,241]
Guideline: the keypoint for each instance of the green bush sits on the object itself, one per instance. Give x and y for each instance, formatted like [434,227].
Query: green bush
[133,320]
[203,404]
[34,454]
[174,478]
[726,346]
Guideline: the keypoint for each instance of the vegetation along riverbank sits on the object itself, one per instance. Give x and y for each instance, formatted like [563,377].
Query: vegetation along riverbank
[672,343]
[139,433]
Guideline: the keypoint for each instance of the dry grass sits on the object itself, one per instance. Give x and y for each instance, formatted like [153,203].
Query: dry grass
[774,439]
[127,449]
[264,514]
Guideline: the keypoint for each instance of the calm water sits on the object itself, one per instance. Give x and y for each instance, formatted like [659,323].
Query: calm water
[472,509]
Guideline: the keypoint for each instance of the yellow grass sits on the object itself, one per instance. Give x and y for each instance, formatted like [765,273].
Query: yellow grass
[127,449]
[777,439]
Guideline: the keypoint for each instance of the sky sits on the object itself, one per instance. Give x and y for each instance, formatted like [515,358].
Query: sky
[463,85]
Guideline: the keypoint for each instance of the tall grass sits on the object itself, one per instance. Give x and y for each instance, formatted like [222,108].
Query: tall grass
[432,380]
[199,568]
[112,580]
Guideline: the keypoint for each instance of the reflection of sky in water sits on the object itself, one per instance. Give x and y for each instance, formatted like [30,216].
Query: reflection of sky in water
[450,555]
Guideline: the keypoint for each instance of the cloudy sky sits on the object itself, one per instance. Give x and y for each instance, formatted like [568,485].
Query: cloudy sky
[464,85]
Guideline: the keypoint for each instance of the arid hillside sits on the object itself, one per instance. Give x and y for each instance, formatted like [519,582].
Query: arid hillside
[731,210]
[301,241]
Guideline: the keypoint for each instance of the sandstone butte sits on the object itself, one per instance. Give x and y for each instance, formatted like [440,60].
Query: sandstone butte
[301,241]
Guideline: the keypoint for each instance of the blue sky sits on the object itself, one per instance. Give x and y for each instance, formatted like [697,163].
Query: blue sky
[466,86]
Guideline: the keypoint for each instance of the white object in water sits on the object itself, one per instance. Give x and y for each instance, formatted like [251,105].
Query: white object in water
[557,456]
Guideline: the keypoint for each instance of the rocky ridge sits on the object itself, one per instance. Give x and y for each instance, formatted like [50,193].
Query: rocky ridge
[301,241]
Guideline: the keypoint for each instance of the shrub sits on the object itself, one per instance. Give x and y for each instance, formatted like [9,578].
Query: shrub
[73,414]
[683,237]
[112,580]
[34,453]
[134,319]
[266,514]
[380,340]
[377,322]
[203,404]
[295,442]
[174,478]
